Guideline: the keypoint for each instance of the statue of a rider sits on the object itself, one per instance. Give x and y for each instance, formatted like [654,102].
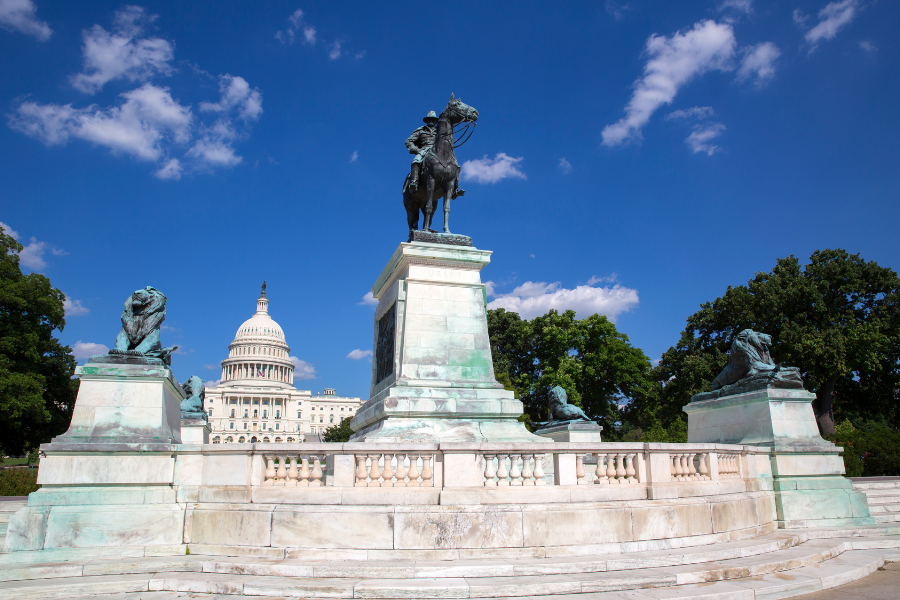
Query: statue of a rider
[419,143]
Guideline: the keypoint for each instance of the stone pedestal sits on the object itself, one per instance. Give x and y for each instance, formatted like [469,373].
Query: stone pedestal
[572,431]
[195,431]
[126,404]
[432,373]
[807,471]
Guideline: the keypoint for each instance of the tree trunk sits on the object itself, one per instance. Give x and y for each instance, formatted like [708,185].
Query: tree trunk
[823,407]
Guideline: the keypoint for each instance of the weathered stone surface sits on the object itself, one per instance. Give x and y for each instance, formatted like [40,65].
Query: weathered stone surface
[430,237]
[336,528]
[458,527]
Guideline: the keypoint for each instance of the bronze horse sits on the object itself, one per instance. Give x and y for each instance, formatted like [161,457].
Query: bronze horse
[439,175]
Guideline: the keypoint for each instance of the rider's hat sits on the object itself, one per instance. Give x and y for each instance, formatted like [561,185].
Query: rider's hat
[431,115]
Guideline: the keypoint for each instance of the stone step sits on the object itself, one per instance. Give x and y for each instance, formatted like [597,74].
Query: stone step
[498,567]
[883,508]
[887,517]
[885,484]
[851,566]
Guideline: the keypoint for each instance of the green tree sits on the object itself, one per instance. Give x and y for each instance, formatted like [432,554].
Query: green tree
[340,432]
[596,365]
[837,319]
[37,392]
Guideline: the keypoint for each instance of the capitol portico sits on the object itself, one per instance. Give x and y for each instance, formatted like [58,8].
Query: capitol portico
[256,400]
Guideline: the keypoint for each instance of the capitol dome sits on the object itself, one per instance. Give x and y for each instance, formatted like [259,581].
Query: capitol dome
[259,351]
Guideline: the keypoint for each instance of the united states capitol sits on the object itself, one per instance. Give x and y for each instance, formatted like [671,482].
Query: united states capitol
[256,401]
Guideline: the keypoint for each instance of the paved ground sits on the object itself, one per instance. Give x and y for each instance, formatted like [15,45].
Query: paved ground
[883,584]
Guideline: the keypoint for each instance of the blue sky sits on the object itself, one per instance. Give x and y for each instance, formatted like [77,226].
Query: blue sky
[633,158]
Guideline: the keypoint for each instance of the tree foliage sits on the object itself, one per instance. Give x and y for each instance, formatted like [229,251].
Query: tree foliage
[339,432]
[837,319]
[596,365]
[37,392]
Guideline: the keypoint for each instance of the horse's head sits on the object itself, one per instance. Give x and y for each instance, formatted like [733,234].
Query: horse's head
[458,111]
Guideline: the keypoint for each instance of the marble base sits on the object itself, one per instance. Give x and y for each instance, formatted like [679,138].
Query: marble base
[195,431]
[572,431]
[439,382]
[807,470]
[125,403]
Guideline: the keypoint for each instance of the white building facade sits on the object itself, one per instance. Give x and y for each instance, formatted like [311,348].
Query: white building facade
[256,400]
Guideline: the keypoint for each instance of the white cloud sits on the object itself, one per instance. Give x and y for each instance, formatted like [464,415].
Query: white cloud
[800,17]
[489,288]
[170,170]
[532,299]
[334,50]
[759,61]
[354,156]
[672,62]
[212,367]
[236,95]
[492,170]
[9,230]
[369,300]
[868,46]
[617,9]
[32,254]
[359,354]
[531,255]
[214,152]
[212,383]
[565,166]
[84,350]
[702,136]
[832,19]
[288,35]
[303,369]
[21,16]
[611,278]
[744,6]
[74,308]
[137,127]
[695,112]
[122,53]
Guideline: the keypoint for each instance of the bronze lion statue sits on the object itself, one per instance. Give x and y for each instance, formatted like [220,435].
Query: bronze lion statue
[750,357]
[192,405]
[145,310]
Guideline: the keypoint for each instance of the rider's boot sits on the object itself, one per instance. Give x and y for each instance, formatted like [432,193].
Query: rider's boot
[414,178]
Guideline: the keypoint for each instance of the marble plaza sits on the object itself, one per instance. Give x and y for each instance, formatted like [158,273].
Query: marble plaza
[256,401]
[442,493]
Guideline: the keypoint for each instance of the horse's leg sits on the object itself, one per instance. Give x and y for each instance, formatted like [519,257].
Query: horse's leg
[412,212]
[449,190]
[429,202]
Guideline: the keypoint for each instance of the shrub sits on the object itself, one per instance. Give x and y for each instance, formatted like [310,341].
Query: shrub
[18,482]
[871,449]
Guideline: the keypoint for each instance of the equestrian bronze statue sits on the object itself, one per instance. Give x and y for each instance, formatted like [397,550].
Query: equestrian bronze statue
[435,172]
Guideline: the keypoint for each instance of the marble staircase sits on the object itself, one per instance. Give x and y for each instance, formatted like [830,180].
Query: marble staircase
[883,495]
[780,564]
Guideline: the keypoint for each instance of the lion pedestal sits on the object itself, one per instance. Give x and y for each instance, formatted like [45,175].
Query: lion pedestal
[125,403]
[432,373]
[761,404]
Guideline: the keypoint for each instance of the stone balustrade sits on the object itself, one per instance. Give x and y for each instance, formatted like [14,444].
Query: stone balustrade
[499,466]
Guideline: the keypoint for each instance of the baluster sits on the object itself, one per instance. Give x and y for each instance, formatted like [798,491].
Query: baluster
[426,471]
[413,471]
[539,469]
[292,472]
[600,470]
[316,472]
[692,469]
[704,471]
[282,471]
[387,473]
[270,471]
[526,471]
[361,472]
[401,471]
[673,474]
[611,468]
[579,469]
[374,473]
[676,460]
[515,472]
[303,478]
[489,472]
[621,473]
[502,473]
[629,468]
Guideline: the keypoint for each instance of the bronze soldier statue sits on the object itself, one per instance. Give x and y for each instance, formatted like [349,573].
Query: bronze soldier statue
[419,143]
